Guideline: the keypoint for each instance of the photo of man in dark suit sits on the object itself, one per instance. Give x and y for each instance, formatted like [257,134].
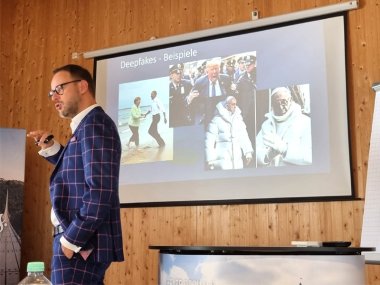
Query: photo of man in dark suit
[208,91]
[179,88]
[246,94]
[84,184]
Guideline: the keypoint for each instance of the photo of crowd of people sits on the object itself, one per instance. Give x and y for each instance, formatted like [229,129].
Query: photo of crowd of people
[243,127]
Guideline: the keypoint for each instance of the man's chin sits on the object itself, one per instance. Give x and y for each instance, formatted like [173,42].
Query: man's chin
[63,115]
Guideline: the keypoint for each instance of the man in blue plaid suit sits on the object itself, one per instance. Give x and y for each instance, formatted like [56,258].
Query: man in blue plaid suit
[84,184]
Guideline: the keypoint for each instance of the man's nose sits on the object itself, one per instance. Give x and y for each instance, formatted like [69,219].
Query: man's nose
[55,97]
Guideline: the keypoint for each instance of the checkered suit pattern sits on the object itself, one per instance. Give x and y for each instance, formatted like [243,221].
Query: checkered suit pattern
[75,271]
[84,187]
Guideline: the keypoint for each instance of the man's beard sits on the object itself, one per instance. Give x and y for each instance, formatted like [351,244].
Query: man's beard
[69,110]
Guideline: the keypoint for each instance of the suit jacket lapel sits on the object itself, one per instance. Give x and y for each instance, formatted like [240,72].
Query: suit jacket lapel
[72,139]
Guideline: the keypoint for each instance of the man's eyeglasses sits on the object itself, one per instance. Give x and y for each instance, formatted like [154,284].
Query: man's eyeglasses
[282,101]
[59,88]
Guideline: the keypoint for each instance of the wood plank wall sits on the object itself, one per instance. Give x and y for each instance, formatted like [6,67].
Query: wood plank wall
[37,36]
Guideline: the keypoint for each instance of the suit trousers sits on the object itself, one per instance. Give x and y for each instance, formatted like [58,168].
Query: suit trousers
[76,270]
[153,130]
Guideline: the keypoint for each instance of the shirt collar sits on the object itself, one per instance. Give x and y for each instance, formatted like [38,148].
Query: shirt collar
[79,117]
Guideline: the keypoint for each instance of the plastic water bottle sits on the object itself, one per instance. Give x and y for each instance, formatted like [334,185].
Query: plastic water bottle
[35,274]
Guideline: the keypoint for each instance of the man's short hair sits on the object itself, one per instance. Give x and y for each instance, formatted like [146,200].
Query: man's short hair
[214,61]
[78,72]
[228,100]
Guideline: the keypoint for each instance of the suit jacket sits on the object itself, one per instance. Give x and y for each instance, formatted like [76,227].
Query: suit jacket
[246,100]
[84,187]
[178,110]
[203,107]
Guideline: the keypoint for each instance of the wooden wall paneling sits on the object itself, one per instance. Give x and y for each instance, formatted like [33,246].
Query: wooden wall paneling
[146,20]
[307,220]
[239,13]
[36,238]
[337,220]
[368,43]
[258,227]
[184,225]
[326,221]
[274,8]
[226,12]
[301,219]
[294,221]
[273,224]
[284,225]
[132,22]
[285,231]
[220,222]
[155,237]
[214,225]
[1,25]
[360,96]
[3,63]
[239,225]
[175,17]
[358,210]
[118,274]
[348,221]
[14,82]
[207,228]
[372,274]
[38,36]
[6,27]
[317,222]
[255,228]
[57,25]
[23,70]
[264,7]
[114,19]
[99,22]
[127,221]
[304,216]
[139,247]
[356,169]
[209,13]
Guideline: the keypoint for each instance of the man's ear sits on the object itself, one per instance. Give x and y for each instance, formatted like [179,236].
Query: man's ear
[83,86]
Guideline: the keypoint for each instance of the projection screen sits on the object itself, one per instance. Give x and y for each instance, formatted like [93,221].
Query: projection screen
[292,144]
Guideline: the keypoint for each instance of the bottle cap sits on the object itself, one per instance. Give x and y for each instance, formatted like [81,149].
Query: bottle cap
[36,266]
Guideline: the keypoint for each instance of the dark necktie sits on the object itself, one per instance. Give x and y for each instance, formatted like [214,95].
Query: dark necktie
[213,90]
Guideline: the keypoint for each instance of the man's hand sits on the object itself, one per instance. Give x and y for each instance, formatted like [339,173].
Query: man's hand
[146,114]
[211,165]
[270,155]
[67,252]
[274,142]
[39,137]
[193,94]
[248,158]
